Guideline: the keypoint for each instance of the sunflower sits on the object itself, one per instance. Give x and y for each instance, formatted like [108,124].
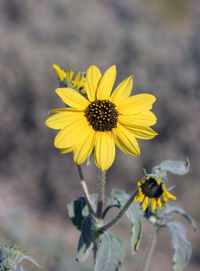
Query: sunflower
[152,188]
[98,122]
[66,78]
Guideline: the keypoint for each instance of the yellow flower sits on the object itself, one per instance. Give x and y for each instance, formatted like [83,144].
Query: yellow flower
[77,83]
[152,188]
[103,120]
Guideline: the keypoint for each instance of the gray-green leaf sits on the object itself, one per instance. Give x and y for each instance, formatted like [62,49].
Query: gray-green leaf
[175,166]
[181,246]
[136,230]
[181,211]
[133,215]
[85,244]
[78,210]
[110,253]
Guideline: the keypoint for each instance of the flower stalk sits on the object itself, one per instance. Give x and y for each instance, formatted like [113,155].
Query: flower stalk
[85,189]
[101,192]
[150,249]
[119,215]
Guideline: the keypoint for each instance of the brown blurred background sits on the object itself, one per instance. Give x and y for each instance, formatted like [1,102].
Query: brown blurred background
[158,42]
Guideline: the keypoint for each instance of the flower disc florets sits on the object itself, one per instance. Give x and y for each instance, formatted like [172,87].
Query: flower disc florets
[154,189]
[151,188]
[102,115]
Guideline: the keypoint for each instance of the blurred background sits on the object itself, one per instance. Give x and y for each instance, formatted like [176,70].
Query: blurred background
[158,42]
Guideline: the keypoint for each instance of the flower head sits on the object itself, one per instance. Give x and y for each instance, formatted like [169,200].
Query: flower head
[66,78]
[152,188]
[11,258]
[103,119]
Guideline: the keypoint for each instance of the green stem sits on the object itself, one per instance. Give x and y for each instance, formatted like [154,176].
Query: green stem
[150,248]
[119,215]
[101,192]
[85,189]
[95,242]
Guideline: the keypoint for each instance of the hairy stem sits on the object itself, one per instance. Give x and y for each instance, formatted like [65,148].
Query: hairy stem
[101,192]
[85,189]
[119,215]
[150,248]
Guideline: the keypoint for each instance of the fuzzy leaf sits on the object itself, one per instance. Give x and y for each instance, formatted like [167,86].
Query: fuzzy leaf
[175,167]
[85,244]
[181,246]
[181,211]
[133,215]
[136,230]
[78,210]
[110,253]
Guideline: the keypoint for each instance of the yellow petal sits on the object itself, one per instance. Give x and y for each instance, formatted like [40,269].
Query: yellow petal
[69,75]
[122,91]
[72,98]
[63,119]
[104,150]
[141,182]
[66,150]
[60,73]
[93,75]
[141,198]
[164,197]
[106,83]
[76,80]
[125,140]
[145,204]
[84,148]
[153,204]
[159,203]
[170,196]
[136,104]
[81,84]
[145,118]
[140,191]
[68,109]
[72,134]
[139,131]
[158,182]
[136,198]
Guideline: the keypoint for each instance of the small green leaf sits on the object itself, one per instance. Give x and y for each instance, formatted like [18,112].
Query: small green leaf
[85,244]
[174,166]
[136,230]
[110,253]
[181,211]
[133,215]
[78,210]
[181,246]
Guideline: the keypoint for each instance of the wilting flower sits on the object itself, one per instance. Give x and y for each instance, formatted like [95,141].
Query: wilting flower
[77,83]
[103,120]
[152,188]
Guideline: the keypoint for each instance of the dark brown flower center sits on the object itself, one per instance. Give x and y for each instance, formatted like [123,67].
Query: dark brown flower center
[102,115]
[151,189]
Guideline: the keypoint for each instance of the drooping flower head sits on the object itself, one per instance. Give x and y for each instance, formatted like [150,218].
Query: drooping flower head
[66,78]
[103,119]
[151,188]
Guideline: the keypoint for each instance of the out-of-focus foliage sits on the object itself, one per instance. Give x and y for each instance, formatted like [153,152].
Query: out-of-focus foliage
[11,258]
[157,41]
